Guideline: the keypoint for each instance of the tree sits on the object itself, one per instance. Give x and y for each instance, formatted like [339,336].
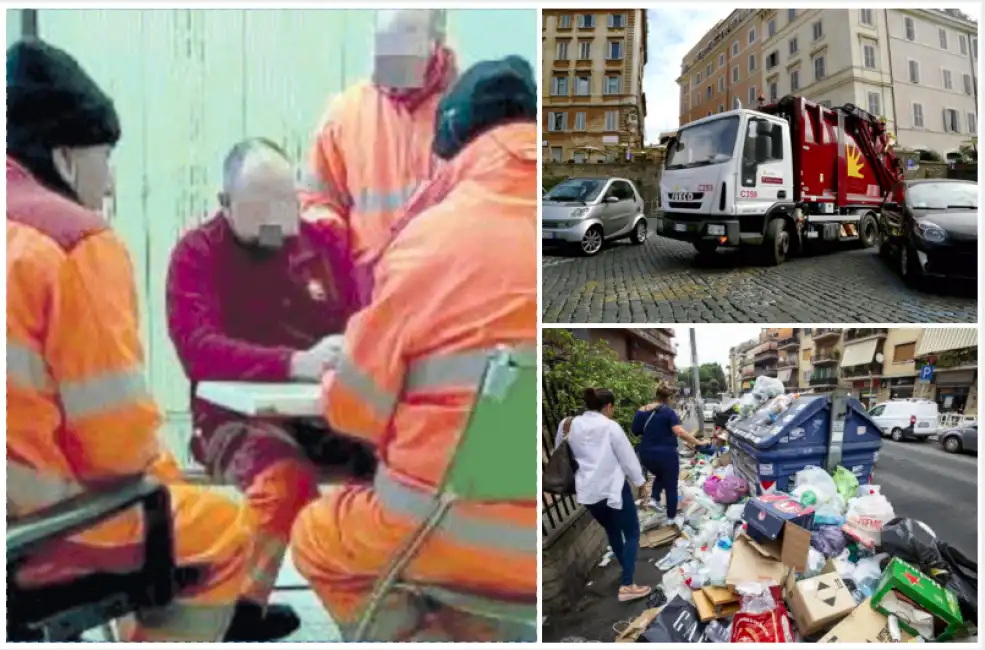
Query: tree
[711,378]
[969,151]
[571,365]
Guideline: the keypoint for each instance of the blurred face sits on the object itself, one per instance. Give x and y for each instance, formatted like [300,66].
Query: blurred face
[404,42]
[262,208]
[87,172]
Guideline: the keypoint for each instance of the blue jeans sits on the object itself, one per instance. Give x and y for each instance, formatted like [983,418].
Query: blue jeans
[666,469]
[622,527]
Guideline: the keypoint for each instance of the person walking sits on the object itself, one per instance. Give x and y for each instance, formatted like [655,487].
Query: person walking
[606,466]
[659,427]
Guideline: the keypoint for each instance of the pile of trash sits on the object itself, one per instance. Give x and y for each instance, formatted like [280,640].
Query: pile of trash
[827,561]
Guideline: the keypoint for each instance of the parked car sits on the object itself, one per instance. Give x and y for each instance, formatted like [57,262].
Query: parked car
[590,211]
[929,228]
[958,439]
[710,409]
[906,419]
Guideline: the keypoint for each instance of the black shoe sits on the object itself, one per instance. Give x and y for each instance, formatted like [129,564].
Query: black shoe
[251,623]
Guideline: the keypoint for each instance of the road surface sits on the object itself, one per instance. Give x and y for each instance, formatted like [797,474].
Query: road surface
[924,482]
[662,281]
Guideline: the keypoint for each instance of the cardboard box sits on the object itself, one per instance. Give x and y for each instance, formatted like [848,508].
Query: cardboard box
[659,536]
[816,603]
[750,564]
[708,610]
[922,606]
[636,628]
[720,595]
[767,514]
[863,625]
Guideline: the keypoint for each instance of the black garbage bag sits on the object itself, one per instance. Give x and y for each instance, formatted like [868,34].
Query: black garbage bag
[963,580]
[677,622]
[915,542]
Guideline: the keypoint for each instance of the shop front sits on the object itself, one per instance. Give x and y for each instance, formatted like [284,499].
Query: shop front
[954,390]
[898,387]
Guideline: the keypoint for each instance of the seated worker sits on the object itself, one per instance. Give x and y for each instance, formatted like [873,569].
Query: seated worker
[78,412]
[249,298]
[442,292]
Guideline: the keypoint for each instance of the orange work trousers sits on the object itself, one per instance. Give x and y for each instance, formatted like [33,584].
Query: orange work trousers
[271,469]
[344,541]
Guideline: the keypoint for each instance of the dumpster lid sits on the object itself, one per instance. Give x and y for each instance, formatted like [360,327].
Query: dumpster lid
[760,431]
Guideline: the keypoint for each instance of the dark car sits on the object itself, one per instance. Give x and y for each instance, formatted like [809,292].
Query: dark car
[929,228]
[958,439]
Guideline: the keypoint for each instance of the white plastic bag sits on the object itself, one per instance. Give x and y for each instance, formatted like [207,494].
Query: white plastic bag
[867,515]
[815,563]
[817,481]
[768,387]
[734,512]
[717,565]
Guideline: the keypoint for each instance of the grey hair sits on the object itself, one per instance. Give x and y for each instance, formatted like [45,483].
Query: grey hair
[233,164]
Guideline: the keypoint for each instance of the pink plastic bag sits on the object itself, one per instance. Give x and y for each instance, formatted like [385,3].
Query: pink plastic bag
[729,490]
[711,485]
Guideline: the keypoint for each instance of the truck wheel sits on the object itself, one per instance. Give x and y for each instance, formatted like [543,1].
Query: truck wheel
[705,246]
[639,232]
[776,247]
[868,231]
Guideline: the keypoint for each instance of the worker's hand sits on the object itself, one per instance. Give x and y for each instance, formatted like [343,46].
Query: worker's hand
[311,364]
[329,350]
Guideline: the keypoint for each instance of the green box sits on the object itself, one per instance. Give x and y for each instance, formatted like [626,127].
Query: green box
[904,590]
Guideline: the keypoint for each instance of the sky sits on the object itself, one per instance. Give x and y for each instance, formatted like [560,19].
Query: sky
[713,342]
[671,33]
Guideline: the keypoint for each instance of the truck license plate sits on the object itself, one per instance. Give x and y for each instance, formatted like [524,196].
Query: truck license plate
[716,229]
[812,234]
[924,425]
[547,235]
[680,227]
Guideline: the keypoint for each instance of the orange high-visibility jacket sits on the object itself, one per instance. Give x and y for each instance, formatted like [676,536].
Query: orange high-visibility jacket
[460,279]
[369,157]
[78,410]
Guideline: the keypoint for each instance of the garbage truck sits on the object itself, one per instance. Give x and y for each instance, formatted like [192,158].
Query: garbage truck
[786,177]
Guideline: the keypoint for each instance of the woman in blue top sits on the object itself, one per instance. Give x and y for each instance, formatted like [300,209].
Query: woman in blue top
[658,427]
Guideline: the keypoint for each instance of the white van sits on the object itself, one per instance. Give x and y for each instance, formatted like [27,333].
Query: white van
[906,419]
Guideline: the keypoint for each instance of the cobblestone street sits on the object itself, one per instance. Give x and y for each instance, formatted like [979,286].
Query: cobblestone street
[663,281]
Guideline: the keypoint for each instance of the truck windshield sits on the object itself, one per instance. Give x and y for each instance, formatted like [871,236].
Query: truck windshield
[941,196]
[576,189]
[704,144]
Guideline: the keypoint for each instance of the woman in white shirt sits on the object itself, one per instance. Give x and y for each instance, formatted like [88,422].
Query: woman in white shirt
[606,466]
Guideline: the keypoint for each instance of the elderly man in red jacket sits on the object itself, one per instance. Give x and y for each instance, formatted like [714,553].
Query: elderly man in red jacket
[250,298]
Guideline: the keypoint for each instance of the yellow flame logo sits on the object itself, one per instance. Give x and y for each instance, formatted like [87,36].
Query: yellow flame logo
[855,164]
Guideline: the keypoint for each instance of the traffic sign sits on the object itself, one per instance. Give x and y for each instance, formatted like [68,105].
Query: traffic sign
[926,373]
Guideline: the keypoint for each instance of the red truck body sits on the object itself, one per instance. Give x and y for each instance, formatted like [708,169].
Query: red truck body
[840,155]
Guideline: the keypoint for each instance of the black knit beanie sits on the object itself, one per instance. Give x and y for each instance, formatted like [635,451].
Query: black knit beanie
[52,102]
[488,94]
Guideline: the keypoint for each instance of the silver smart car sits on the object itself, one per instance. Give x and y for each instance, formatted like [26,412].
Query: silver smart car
[589,211]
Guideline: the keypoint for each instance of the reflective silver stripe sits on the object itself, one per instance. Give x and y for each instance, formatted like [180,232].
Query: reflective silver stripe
[29,490]
[459,368]
[27,368]
[84,398]
[186,621]
[417,505]
[381,401]
[372,201]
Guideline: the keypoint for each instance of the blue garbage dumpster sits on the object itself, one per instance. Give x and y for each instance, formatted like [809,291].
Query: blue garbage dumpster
[767,453]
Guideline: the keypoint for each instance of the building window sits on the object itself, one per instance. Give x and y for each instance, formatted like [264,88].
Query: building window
[946,79]
[708,93]
[586,21]
[752,96]
[974,47]
[865,17]
[564,22]
[580,121]
[875,106]
[735,74]
[721,84]
[772,59]
[560,87]
[794,80]
[972,123]
[771,28]
[966,79]
[735,48]
[918,115]
[708,71]
[562,50]
[791,15]
[806,356]
[584,50]
[869,56]
[612,120]
[911,32]
[963,44]
[818,30]
[557,153]
[752,63]
[617,21]
[557,121]
[580,157]
[613,84]
[721,60]
[615,50]
[721,108]
[697,79]
[904,353]
[952,121]
[793,45]
[735,102]
[942,36]
[913,70]
[752,35]
[774,92]
[583,86]
[818,68]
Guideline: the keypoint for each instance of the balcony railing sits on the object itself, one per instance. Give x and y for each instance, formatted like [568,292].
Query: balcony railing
[861,371]
[826,357]
[824,380]
[658,339]
[748,372]
[856,333]
[788,362]
[825,332]
[765,355]
[787,343]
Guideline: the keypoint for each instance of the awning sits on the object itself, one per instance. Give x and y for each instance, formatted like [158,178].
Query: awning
[857,354]
[940,339]
[954,377]
[784,374]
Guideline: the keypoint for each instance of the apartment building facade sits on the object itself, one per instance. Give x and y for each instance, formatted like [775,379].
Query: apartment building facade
[594,105]
[653,347]
[723,69]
